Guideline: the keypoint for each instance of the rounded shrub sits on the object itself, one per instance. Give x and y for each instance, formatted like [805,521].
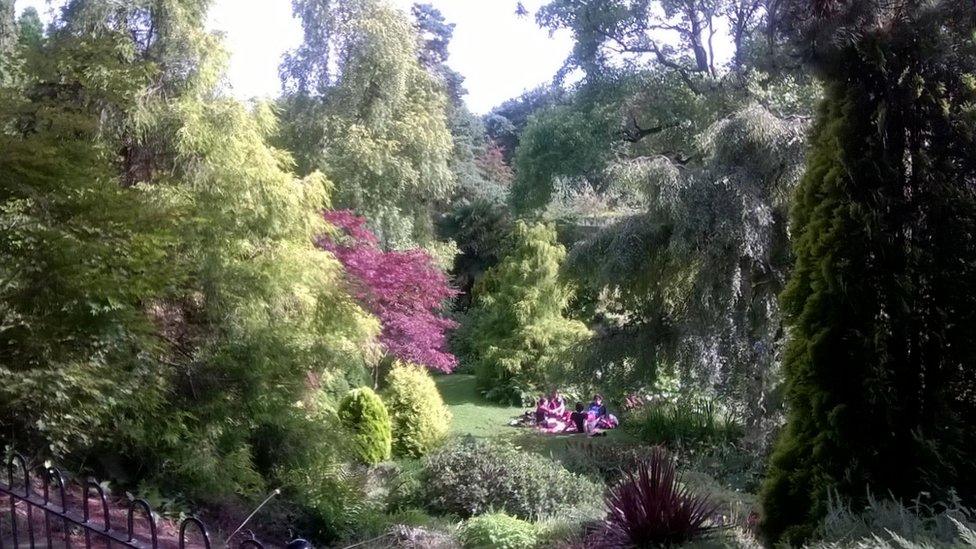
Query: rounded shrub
[364,415]
[473,477]
[420,418]
[497,531]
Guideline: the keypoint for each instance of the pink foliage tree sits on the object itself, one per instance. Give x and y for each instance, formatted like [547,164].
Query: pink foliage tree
[404,289]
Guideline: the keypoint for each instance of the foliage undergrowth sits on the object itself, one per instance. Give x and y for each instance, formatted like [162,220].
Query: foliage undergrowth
[497,531]
[890,523]
[685,423]
[471,477]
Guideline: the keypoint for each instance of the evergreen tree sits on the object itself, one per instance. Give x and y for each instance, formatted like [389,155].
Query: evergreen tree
[880,310]
[30,30]
[516,327]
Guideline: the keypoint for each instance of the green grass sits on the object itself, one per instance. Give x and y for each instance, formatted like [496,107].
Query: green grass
[474,415]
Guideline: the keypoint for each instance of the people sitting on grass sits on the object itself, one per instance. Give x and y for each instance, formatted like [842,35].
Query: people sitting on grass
[552,416]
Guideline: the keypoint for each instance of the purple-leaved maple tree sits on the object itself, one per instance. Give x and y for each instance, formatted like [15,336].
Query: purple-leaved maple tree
[404,289]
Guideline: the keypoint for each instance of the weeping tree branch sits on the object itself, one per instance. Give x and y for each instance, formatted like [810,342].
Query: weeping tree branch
[633,133]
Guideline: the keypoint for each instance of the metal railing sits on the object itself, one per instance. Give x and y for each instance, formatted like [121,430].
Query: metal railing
[43,510]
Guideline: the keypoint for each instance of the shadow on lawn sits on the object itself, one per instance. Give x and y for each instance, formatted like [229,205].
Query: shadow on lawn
[458,389]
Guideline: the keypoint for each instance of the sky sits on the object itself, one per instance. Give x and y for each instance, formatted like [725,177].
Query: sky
[499,54]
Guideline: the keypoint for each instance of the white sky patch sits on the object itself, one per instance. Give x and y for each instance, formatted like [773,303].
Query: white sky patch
[499,54]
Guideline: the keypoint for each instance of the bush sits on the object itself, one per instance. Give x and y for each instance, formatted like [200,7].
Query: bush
[605,461]
[684,423]
[364,415]
[420,419]
[405,486]
[473,477]
[497,531]
[651,508]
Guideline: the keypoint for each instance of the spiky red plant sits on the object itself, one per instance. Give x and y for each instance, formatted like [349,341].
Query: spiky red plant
[649,507]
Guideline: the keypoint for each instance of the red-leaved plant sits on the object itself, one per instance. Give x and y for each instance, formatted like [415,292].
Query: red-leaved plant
[404,289]
[650,507]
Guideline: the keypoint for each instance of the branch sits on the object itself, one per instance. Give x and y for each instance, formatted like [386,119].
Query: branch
[634,133]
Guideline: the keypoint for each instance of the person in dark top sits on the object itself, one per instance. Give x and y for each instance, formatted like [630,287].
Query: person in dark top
[579,418]
[541,410]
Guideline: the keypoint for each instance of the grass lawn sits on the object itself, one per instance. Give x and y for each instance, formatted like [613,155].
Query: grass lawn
[474,415]
[477,417]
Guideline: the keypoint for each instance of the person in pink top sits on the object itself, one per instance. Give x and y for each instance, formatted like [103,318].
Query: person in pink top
[557,405]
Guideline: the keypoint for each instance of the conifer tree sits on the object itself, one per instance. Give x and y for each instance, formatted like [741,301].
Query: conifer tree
[880,304]
[517,328]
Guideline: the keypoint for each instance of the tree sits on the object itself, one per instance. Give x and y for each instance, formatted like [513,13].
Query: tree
[674,181]
[166,301]
[435,34]
[8,26]
[879,305]
[376,117]
[404,289]
[691,282]
[516,327]
[676,35]
[30,31]
[561,142]
[475,179]
[492,165]
[505,123]
[481,227]
[8,39]
[79,256]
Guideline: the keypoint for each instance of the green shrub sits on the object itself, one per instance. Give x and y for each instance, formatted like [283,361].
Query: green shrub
[497,531]
[473,477]
[687,423]
[364,415]
[420,419]
[405,486]
[605,461]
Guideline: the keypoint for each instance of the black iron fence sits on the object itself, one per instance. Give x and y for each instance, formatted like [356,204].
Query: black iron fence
[44,510]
